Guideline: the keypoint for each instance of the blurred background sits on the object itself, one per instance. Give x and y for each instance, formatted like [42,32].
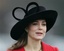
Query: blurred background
[54,37]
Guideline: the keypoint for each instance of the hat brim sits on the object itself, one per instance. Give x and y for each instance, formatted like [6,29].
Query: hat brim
[18,29]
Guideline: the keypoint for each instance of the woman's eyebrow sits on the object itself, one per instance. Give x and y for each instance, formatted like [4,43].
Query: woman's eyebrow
[43,21]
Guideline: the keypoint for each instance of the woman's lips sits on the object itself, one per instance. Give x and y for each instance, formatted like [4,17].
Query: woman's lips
[39,33]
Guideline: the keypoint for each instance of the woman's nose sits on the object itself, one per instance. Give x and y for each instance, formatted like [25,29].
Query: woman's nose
[40,27]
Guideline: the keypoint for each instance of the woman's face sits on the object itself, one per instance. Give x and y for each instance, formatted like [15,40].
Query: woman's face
[37,29]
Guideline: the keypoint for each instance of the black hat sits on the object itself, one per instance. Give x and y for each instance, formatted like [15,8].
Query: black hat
[35,13]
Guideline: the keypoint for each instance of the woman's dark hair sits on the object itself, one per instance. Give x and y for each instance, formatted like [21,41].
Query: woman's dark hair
[21,42]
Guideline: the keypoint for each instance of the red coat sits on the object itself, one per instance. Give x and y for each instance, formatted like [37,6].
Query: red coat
[46,47]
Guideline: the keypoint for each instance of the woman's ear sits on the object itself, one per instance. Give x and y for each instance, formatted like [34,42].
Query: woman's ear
[26,29]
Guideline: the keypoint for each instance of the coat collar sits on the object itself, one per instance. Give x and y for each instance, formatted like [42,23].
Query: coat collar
[45,47]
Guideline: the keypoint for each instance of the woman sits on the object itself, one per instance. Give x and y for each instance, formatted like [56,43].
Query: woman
[30,30]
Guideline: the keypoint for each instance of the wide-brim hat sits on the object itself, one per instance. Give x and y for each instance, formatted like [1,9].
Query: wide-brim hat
[35,13]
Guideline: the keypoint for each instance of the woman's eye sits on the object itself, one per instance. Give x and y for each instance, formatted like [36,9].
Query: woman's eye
[34,24]
[44,24]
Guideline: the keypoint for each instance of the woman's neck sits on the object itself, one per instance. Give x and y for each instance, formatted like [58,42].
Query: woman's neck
[34,45]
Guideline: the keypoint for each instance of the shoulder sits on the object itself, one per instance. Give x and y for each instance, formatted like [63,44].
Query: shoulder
[20,49]
[47,47]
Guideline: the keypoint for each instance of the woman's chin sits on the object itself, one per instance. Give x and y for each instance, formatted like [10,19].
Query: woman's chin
[39,38]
